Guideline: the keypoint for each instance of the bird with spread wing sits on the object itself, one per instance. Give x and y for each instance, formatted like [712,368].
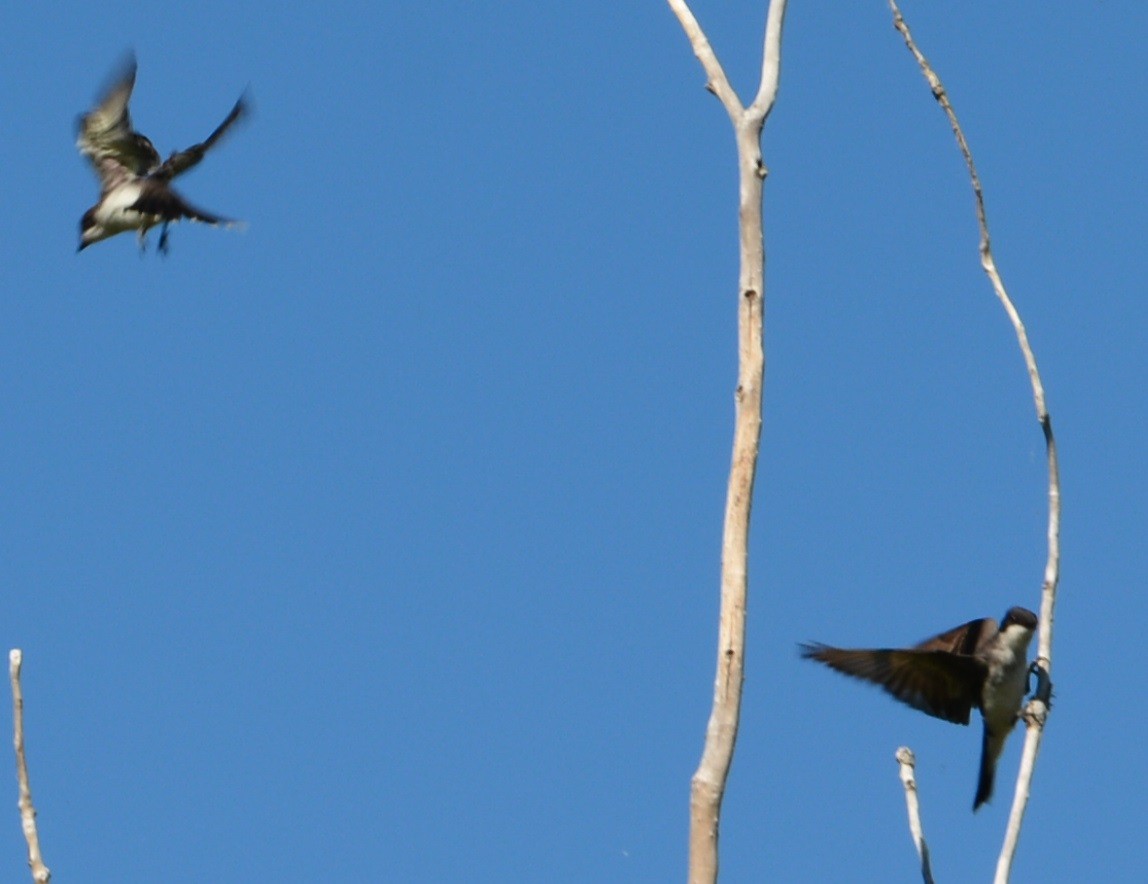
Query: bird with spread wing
[978,665]
[135,185]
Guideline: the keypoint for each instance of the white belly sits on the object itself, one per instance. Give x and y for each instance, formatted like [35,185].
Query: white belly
[1002,696]
[115,214]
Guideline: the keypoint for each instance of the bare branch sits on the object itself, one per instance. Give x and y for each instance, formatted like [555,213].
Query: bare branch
[1037,709]
[718,82]
[770,63]
[707,788]
[40,872]
[908,763]
[1035,714]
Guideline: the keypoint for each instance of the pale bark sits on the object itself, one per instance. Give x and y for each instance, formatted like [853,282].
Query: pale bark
[707,788]
[1036,711]
[908,762]
[40,872]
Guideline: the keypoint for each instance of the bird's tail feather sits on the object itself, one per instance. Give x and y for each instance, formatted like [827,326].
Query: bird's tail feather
[990,751]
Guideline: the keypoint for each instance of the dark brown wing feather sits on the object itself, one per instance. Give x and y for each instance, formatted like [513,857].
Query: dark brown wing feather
[964,639]
[166,203]
[937,682]
[182,160]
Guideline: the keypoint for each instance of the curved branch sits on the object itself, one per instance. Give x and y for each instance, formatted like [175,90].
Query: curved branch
[770,63]
[1036,711]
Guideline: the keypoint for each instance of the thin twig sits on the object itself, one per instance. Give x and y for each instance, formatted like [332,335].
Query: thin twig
[908,763]
[1036,712]
[40,872]
[707,787]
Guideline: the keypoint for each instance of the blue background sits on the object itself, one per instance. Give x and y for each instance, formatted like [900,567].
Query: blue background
[381,540]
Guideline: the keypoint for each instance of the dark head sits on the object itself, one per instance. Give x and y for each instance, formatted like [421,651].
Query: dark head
[1019,617]
[90,230]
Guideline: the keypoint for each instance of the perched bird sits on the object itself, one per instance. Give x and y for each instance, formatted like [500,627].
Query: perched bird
[135,186]
[975,665]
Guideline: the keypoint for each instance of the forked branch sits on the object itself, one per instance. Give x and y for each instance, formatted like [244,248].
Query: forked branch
[707,788]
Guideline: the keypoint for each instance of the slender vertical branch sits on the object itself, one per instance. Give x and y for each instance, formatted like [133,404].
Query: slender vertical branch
[1036,711]
[707,788]
[908,763]
[40,872]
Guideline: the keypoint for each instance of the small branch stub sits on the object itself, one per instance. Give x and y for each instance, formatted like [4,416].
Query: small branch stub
[908,762]
[40,872]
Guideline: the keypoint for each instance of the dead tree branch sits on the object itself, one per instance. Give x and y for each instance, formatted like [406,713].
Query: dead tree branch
[1036,711]
[40,872]
[908,764]
[707,788]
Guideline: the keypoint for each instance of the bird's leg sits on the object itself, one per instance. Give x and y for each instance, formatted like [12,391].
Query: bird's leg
[1043,692]
[1033,669]
[162,246]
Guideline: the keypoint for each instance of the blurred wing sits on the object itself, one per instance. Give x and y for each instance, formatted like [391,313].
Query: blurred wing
[106,136]
[182,160]
[167,204]
[938,683]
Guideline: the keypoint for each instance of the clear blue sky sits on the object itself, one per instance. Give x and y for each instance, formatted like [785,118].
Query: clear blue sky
[380,541]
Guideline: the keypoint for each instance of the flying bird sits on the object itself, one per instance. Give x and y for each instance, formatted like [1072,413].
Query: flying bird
[977,665]
[135,185]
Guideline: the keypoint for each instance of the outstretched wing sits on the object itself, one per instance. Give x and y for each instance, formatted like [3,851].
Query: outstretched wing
[106,137]
[182,160]
[968,638]
[939,683]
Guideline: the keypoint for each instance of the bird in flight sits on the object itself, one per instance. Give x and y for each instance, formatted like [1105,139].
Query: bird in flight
[135,185]
[977,665]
